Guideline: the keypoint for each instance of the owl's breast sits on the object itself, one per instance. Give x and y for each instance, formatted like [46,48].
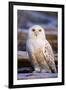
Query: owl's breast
[36,44]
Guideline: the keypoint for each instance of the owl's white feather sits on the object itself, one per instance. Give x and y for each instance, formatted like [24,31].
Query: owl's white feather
[39,50]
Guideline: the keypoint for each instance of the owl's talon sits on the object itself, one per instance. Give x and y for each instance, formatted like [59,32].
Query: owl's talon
[36,71]
[45,71]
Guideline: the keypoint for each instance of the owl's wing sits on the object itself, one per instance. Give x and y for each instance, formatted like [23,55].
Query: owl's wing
[49,56]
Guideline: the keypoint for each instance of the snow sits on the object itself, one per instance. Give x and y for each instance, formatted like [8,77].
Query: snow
[36,75]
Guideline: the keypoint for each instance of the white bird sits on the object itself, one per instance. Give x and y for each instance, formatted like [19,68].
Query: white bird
[39,50]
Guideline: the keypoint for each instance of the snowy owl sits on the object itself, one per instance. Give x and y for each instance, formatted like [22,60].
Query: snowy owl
[39,50]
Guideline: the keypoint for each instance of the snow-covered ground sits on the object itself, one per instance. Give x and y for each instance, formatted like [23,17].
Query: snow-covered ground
[36,75]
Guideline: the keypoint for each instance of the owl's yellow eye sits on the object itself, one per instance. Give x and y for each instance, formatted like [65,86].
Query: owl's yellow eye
[39,30]
[33,30]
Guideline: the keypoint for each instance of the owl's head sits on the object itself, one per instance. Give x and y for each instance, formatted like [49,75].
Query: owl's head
[36,32]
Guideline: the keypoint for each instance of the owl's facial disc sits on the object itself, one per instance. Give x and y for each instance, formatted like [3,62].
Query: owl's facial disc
[36,32]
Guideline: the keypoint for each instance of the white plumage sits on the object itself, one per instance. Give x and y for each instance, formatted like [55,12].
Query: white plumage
[39,50]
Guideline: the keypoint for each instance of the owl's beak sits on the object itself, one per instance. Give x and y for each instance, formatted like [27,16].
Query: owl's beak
[36,34]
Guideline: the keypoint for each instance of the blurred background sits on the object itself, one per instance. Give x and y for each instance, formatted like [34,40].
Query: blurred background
[26,19]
